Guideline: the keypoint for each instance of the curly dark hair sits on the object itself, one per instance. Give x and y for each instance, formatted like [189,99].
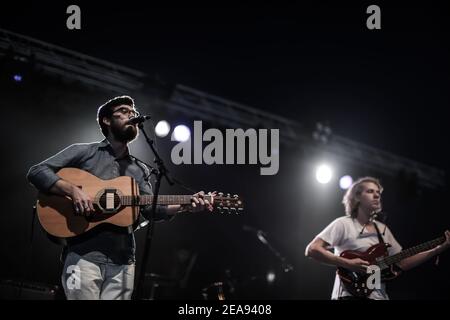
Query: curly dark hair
[105,110]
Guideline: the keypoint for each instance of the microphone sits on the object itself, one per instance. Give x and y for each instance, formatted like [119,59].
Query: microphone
[137,120]
[374,215]
[261,236]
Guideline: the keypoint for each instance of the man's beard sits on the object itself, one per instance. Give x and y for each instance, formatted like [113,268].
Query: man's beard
[123,133]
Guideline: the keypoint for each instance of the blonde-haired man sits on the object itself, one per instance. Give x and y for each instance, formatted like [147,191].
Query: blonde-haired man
[358,231]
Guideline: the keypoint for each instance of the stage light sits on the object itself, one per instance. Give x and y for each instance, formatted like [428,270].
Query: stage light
[270,277]
[17,78]
[345,182]
[162,128]
[181,133]
[323,174]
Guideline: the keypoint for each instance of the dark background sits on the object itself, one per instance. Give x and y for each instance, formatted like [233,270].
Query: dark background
[307,61]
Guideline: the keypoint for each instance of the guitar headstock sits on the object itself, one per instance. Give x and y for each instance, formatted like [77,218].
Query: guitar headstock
[226,203]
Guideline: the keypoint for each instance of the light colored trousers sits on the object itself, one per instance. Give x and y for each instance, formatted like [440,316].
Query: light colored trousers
[87,280]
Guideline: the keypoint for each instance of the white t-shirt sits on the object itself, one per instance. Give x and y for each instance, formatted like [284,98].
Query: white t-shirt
[344,234]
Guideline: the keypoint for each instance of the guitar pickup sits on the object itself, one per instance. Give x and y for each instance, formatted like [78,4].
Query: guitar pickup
[109,201]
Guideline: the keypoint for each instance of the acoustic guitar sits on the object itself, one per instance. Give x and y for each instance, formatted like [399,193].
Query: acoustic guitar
[115,201]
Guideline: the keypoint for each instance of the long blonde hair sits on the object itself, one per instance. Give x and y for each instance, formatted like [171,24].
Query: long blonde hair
[350,202]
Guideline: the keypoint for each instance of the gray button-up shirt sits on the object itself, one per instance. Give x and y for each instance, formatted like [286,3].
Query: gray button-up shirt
[98,158]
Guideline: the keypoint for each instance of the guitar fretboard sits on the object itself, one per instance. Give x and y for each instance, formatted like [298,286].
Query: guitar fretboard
[412,251]
[162,200]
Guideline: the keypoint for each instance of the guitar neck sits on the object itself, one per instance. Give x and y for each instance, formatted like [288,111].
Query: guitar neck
[414,250]
[144,200]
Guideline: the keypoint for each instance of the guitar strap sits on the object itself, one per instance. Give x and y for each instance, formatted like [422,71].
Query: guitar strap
[380,237]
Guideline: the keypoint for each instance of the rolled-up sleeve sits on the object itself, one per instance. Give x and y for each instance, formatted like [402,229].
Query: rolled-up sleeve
[43,175]
[334,233]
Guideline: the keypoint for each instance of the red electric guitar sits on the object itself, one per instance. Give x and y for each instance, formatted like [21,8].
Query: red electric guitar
[356,282]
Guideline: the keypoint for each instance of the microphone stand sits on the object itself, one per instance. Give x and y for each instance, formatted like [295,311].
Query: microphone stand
[286,266]
[161,172]
[261,235]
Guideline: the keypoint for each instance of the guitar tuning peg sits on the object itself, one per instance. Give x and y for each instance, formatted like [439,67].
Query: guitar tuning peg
[235,196]
[228,195]
[220,194]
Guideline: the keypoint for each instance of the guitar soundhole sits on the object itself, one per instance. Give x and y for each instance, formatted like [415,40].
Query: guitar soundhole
[107,204]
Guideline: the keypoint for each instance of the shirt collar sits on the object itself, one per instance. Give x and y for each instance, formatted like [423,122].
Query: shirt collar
[106,144]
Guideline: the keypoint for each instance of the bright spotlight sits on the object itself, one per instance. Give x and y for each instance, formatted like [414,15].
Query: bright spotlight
[181,133]
[270,277]
[17,78]
[162,128]
[323,174]
[345,182]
